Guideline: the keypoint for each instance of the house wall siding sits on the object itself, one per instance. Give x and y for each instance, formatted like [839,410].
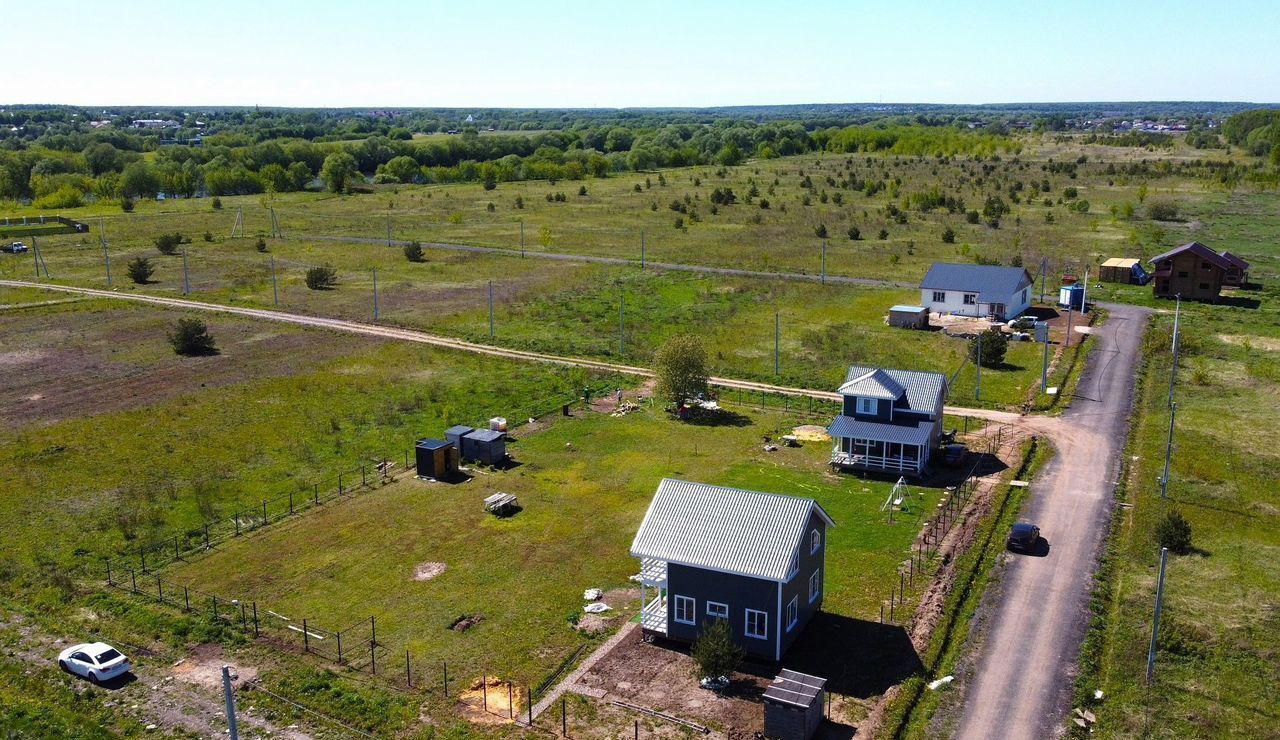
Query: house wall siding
[1189,286]
[1016,303]
[799,585]
[739,592]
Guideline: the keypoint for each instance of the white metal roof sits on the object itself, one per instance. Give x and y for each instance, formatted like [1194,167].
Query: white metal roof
[874,383]
[923,388]
[747,533]
[847,426]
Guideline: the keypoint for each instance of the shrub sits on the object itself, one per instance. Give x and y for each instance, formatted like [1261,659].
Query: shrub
[261,244]
[994,344]
[1162,211]
[1070,193]
[140,270]
[820,231]
[714,651]
[126,204]
[948,235]
[413,251]
[972,217]
[854,233]
[208,236]
[519,202]
[582,190]
[1174,532]
[678,223]
[217,204]
[168,243]
[884,234]
[191,338]
[322,278]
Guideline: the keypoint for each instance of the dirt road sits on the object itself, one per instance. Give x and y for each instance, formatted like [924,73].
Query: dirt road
[564,257]
[1036,616]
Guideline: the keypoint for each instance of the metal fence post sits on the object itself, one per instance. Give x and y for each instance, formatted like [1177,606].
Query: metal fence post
[255,619]
[142,554]
[408,675]
[206,536]
[446,677]
[306,637]
[215,607]
[109,581]
[339,647]
[160,588]
[290,502]
[264,512]
[186,598]
[134,577]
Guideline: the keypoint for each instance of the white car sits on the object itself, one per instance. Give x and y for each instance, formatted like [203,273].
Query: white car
[96,661]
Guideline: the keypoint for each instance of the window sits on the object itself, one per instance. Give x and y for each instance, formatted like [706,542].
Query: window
[793,614]
[794,567]
[717,610]
[815,585]
[1024,294]
[757,625]
[970,299]
[866,405]
[939,296]
[686,609]
[815,541]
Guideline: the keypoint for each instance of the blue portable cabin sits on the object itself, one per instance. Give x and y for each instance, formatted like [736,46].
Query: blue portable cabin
[436,459]
[1072,296]
[484,446]
[455,434]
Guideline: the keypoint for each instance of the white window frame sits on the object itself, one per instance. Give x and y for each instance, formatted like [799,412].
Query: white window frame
[677,601]
[794,567]
[868,405]
[793,613]
[815,541]
[815,585]
[721,611]
[764,626]
[939,296]
[970,299]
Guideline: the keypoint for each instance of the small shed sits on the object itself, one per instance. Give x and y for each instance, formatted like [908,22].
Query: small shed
[909,317]
[793,705]
[1072,296]
[484,446]
[436,458]
[1122,270]
[455,434]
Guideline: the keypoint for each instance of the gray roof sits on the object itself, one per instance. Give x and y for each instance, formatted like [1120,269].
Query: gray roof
[875,383]
[922,388]
[993,284]
[795,688]
[847,426]
[731,530]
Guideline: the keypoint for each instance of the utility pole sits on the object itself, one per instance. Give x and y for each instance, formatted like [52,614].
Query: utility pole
[1155,622]
[275,290]
[375,294]
[106,254]
[824,261]
[232,730]
[35,256]
[978,361]
[777,336]
[641,249]
[1044,267]
[388,229]
[1044,368]
[622,337]
[1173,372]
[186,278]
[1168,449]
[1084,297]
[522,237]
[1067,342]
[491,309]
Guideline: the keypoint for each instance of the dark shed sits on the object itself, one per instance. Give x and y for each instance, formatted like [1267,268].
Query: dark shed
[793,705]
[436,459]
[456,433]
[484,446]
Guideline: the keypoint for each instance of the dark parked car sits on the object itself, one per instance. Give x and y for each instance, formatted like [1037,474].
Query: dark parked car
[1024,537]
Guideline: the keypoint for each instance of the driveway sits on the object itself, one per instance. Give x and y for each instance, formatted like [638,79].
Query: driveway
[1023,678]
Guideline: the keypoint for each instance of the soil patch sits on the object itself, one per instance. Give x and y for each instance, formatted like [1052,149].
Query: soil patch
[466,622]
[203,667]
[491,700]
[593,624]
[428,570]
[1269,344]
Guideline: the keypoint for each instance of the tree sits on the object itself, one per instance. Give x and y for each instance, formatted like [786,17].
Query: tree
[1159,210]
[714,652]
[413,251]
[191,337]
[1174,532]
[338,170]
[168,243]
[681,368]
[994,344]
[820,231]
[322,278]
[140,270]
[139,181]
[854,233]
[949,235]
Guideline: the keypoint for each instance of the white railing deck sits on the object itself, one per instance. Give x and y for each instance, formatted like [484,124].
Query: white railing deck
[653,616]
[874,462]
[653,572]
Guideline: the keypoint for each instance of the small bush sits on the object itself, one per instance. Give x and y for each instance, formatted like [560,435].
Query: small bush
[854,233]
[948,235]
[140,270]
[413,251]
[820,231]
[1174,532]
[261,244]
[217,204]
[126,204]
[169,243]
[1162,211]
[994,345]
[884,234]
[191,338]
[714,651]
[208,236]
[322,278]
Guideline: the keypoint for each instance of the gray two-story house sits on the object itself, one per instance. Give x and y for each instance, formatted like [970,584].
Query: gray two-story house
[890,422]
[755,560]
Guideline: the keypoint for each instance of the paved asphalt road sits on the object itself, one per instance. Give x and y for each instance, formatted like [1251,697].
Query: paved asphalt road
[1023,679]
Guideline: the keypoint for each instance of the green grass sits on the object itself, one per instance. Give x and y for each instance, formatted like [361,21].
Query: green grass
[1219,634]
[581,507]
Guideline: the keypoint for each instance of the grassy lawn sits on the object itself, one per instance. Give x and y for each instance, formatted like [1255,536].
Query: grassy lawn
[1220,630]
[526,574]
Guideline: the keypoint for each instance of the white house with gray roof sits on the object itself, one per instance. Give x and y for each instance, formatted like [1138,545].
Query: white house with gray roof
[976,290]
[755,560]
[890,421]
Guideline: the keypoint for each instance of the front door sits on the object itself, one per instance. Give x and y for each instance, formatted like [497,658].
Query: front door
[997,310]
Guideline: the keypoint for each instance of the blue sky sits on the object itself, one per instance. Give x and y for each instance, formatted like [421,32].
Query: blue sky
[596,54]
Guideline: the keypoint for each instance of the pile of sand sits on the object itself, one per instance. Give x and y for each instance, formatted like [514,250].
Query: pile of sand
[811,433]
[428,570]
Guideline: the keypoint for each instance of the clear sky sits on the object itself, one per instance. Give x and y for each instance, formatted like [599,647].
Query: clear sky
[525,53]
